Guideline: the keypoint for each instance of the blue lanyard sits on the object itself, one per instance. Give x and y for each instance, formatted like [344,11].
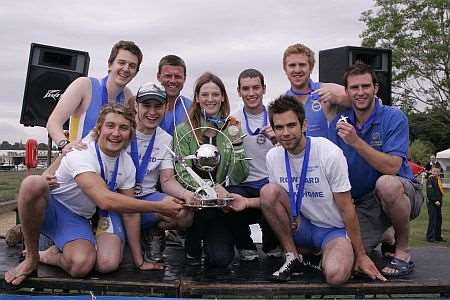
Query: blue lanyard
[119,97]
[296,202]
[311,87]
[257,130]
[112,183]
[142,167]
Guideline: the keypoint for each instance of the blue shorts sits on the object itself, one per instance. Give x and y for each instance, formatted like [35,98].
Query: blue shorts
[62,225]
[311,236]
[149,220]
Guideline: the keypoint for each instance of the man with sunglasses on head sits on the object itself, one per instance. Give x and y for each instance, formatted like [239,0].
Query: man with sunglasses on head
[62,206]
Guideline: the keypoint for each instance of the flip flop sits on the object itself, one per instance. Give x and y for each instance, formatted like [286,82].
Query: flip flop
[402,267]
[13,271]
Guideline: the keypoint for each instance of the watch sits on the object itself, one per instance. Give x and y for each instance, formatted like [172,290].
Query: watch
[62,143]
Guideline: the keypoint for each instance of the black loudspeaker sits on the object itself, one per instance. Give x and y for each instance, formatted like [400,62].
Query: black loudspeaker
[50,71]
[333,62]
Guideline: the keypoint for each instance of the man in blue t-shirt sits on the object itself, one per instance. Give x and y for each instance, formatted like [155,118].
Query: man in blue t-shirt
[172,76]
[375,139]
[320,100]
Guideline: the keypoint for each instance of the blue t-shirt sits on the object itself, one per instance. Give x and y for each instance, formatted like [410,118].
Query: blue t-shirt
[317,121]
[180,115]
[386,130]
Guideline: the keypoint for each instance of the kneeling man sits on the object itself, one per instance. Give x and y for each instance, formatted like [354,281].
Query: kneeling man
[307,201]
[85,180]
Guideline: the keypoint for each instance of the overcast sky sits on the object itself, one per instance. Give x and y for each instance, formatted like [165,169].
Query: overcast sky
[223,37]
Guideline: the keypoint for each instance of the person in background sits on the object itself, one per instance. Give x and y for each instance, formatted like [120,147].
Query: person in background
[435,192]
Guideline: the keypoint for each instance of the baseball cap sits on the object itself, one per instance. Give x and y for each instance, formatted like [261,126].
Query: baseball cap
[151,91]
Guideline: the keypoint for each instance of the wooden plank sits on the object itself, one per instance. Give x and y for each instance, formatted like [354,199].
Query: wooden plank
[251,280]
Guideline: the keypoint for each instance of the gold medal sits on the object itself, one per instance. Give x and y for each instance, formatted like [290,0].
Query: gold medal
[103,224]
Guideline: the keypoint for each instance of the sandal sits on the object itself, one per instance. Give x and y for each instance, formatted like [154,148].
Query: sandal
[401,267]
[10,286]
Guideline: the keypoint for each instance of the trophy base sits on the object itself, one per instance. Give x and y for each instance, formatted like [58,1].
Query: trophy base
[208,203]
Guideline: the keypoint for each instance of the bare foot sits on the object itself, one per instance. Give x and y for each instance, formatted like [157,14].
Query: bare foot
[17,275]
[50,256]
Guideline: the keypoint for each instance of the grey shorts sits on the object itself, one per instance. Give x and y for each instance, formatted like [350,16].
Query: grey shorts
[372,219]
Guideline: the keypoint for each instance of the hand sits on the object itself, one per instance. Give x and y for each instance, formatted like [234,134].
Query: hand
[221,191]
[238,203]
[270,134]
[347,133]
[365,264]
[148,266]
[51,181]
[77,145]
[325,93]
[170,206]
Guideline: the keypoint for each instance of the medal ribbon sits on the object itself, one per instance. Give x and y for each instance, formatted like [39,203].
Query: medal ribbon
[142,167]
[311,87]
[119,98]
[296,200]
[257,130]
[112,183]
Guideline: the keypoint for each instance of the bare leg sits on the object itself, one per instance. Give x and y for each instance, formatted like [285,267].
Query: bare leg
[397,207]
[109,252]
[337,261]
[77,259]
[276,209]
[32,202]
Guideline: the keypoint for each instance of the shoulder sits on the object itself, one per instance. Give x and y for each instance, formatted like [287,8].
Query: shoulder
[162,135]
[275,152]
[392,113]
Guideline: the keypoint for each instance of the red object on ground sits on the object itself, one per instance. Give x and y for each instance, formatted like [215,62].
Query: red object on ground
[415,168]
[31,153]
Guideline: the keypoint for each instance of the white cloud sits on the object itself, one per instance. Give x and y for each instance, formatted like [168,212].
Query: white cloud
[224,37]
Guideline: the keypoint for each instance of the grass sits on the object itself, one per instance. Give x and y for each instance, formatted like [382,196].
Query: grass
[10,182]
[419,226]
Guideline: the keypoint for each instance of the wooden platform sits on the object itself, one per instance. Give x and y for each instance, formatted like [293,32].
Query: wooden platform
[240,280]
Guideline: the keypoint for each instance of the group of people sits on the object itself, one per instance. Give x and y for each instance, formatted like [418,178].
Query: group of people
[321,180]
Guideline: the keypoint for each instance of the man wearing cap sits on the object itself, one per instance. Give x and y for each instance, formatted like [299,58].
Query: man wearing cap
[172,76]
[150,151]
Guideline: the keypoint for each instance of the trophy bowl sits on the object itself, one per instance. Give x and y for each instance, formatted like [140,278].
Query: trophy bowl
[207,157]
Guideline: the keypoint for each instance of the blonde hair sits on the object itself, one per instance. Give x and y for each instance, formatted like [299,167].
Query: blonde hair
[120,109]
[299,49]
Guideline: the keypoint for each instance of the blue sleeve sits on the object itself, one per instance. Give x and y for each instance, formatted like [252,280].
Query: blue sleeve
[396,134]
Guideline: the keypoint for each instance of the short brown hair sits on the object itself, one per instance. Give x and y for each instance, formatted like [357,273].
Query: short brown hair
[125,111]
[285,103]
[125,45]
[172,60]
[359,68]
[299,49]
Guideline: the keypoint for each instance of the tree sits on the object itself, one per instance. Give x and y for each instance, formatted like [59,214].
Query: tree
[417,31]
[420,151]
[428,126]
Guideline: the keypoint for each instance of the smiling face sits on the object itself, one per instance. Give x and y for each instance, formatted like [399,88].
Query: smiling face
[149,115]
[252,91]
[289,131]
[172,78]
[298,70]
[210,98]
[361,90]
[115,133]
[123,68]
